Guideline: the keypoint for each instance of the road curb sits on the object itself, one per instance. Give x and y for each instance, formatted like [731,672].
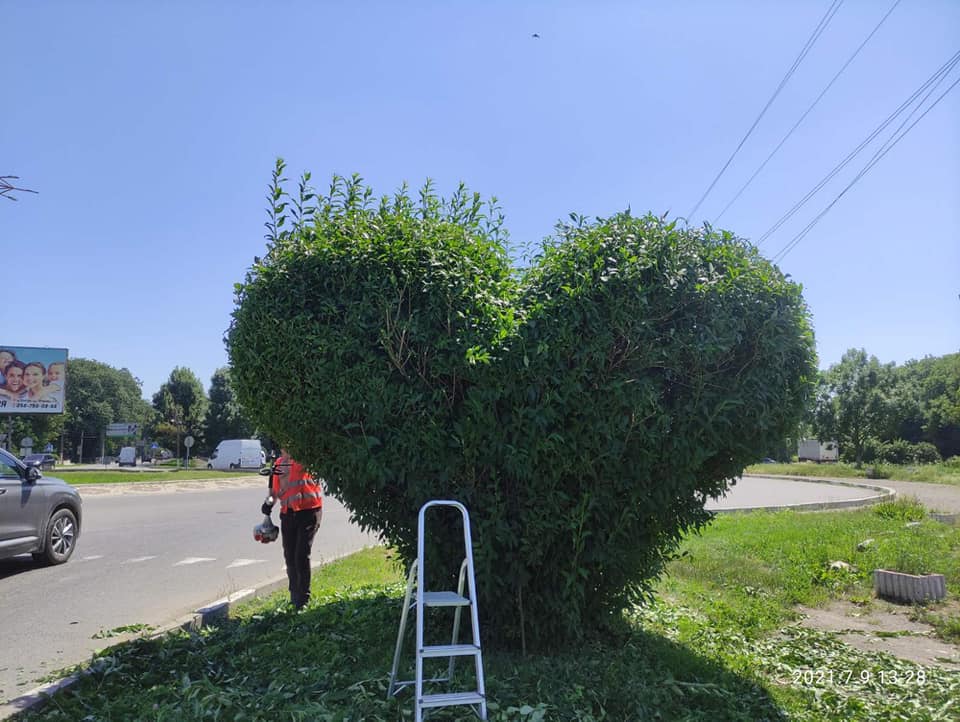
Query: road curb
[884,493]
[208,615]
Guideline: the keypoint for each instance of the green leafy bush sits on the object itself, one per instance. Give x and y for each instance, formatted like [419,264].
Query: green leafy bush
[925,453]
[583,409]
[909,509]
[897,451]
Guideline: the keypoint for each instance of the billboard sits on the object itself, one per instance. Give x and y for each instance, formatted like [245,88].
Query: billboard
[122,429]
[32,380]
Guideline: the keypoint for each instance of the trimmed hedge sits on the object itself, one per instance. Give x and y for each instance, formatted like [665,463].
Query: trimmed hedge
[583,408]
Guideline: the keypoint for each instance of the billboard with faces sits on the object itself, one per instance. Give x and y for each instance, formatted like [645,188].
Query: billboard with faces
[32,380]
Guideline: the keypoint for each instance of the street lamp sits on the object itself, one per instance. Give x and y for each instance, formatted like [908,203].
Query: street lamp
[175,420]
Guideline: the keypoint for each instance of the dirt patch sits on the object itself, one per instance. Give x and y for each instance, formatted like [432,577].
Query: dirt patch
[885,627]
[168,487]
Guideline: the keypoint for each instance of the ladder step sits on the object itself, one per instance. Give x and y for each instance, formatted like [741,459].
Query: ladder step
[448,700]
[450,650]
[444,599]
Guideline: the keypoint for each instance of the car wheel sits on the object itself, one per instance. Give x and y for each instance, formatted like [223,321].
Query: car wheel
[61,537]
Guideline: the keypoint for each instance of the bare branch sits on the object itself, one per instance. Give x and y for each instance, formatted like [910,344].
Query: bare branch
[7,188]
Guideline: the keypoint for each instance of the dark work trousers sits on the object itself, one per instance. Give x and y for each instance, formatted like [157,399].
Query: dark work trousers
[297,530]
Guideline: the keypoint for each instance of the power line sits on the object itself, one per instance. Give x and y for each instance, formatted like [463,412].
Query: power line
[935,78]
[807,112]
[817,32]
[888,146]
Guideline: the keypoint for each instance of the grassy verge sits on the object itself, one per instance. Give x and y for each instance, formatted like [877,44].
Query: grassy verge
[942,473]
[173,463]
[750,571]
[125,477]
[717,645]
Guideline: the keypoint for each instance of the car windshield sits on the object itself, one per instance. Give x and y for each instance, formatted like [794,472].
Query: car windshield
[8,459]
[34,457]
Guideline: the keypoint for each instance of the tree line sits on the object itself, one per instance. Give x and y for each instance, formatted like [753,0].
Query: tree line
[877,412]
[98,394]
[888,413]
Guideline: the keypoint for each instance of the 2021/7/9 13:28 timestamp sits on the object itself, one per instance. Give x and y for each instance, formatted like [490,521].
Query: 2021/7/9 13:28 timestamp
[841,677]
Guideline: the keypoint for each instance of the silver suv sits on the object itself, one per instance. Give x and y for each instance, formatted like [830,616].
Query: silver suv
[39,515]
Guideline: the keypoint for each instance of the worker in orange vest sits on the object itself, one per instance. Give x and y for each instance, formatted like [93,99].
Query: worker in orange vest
[301,508]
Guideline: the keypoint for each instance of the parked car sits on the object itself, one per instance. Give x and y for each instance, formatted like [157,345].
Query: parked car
[45,461]
[39,515]
[128,456]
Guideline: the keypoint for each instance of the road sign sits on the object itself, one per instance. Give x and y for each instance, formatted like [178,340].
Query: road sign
[188,441]
[122,429]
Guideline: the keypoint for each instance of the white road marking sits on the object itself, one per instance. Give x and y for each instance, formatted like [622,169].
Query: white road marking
[135,560]
[194,560]
[90,558]
[244,562]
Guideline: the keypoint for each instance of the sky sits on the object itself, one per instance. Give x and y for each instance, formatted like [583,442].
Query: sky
[150,130]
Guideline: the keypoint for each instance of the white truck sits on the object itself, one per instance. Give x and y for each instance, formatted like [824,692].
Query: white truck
[818,451]
[237,454]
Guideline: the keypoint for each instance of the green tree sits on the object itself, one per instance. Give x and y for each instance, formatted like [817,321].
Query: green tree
[905,412]
[97,395]
[583,409]
[181,404]
[853,401]
[42,428]
[939,382]
[225,418]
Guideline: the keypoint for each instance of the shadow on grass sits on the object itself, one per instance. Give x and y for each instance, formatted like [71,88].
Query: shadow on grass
[332,662]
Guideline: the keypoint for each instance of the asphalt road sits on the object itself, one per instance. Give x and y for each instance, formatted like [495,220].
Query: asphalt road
[774,491]
[145,557]
[763,492]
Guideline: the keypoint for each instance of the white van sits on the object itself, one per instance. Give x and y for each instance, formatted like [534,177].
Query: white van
[816,450]
[237,454]
[128,456]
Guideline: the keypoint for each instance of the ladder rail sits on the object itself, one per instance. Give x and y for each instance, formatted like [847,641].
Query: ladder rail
[474,615]
[416,578]
[455,636]
[394,685]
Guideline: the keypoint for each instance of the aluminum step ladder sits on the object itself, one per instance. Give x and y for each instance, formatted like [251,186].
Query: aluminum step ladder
[475,698]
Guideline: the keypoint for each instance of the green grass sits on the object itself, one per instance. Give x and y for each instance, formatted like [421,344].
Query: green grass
[758,566]
[718,644]
[942,473]
[108,476]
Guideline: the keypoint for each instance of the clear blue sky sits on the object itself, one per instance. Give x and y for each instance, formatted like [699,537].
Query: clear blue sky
[150,130]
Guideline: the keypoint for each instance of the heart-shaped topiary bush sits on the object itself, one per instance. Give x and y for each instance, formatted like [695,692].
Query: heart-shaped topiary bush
[583,409]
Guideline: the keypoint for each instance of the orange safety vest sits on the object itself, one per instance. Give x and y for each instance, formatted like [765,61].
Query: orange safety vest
[294,487]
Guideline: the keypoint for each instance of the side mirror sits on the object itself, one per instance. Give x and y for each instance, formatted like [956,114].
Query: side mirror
[33,473]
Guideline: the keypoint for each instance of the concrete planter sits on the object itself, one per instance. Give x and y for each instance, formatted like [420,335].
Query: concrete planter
[909,587]
[948,519]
